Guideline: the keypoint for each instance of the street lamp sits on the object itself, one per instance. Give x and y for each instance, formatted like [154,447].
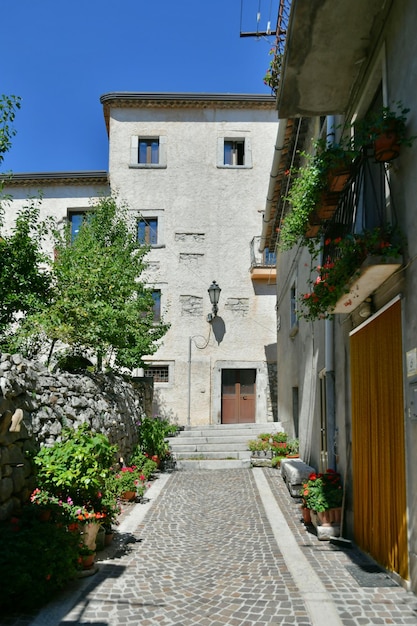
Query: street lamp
[214,293]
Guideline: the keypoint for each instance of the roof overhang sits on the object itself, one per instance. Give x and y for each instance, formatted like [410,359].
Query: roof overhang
[328,48]
[30,179]
[150,100]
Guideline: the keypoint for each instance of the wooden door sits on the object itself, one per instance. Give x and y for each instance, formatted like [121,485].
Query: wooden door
[238,396]
[378,441]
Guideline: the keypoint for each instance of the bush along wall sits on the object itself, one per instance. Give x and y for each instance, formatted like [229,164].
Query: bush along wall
[35,405]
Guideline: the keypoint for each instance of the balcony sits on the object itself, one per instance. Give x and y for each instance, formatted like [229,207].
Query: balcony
[263,264]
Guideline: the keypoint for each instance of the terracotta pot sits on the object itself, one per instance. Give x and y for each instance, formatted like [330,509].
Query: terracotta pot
[336,515]
[108,538]
[306,515]
[338,177]
[324,518]
[128,496]
[386,145]
[87,561]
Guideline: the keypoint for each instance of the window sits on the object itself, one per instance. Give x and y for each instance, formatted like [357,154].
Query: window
[234,152]
[76,219]
[159,373]
[148,152]
[293,311]
[148,231]
[156,295]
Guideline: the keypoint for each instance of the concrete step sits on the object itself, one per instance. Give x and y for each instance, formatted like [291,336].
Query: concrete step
[210,464]
[217,446]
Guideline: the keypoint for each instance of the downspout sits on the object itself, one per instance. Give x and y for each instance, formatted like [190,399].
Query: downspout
[329,359]
[279,144]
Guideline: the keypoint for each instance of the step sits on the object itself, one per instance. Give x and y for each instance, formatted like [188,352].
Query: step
[212,454]
[204,446]
[212,464]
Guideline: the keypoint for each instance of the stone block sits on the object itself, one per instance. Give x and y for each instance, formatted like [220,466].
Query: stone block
[295,472]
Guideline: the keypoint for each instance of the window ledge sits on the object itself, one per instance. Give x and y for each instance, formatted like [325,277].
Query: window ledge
[147,166]
[234,167]
[157,246]
[294,331]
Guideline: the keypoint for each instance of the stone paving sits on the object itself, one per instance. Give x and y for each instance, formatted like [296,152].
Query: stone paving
[205,554]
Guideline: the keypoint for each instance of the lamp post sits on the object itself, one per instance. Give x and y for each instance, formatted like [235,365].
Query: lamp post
[214,294]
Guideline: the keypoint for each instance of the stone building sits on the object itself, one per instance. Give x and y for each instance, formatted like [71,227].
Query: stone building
[194,168]
[349,382]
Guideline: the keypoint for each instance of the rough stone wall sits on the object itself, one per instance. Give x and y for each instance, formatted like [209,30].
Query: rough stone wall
[35,405]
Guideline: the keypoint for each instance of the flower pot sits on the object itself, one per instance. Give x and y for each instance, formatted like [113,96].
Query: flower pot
[87,561]
[324,518]
[89,532]
[386,145]
[338,177]
[306,513]
[108,538]
[100,539]
[128,496]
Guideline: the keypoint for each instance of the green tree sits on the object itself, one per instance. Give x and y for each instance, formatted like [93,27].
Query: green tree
[99,304]
[25,281]
[8,106]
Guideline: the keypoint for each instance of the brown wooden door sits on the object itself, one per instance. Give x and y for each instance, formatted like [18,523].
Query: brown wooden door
[238,396]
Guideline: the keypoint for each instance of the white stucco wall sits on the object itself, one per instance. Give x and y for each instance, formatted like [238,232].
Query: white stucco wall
[207,216]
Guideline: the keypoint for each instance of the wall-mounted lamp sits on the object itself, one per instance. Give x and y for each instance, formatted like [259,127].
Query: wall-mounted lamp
[214,293]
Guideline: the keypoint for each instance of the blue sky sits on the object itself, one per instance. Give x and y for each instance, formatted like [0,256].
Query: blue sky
[60,56]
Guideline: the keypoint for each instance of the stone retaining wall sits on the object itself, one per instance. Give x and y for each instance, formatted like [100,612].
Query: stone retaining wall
[36,404]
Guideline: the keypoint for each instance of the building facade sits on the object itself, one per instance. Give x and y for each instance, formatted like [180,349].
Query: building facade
[349,380]
[194,168]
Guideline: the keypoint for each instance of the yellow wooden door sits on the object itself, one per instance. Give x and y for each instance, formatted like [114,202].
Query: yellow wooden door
[378,443]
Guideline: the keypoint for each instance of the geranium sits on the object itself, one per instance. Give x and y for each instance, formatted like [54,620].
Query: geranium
[83,515]
[322,491]
[129,478]
[43,498]
[343,259]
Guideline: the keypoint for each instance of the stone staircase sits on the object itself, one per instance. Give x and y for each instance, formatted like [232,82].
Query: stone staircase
[221,446]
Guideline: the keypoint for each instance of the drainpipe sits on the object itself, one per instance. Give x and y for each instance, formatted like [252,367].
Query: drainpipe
[279,144]
[329,360]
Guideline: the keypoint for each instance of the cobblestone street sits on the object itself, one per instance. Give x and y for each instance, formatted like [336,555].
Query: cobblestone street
[216,548]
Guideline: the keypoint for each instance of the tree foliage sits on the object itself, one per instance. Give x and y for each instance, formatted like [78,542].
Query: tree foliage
[25,283]
[99,305]
[8,106]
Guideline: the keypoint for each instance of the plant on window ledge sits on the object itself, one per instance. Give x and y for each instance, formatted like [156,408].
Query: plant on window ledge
[386,130]
[334,276]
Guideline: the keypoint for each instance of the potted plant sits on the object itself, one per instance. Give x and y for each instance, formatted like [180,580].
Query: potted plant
[126,483]
[386,130]
[76,467]
[315,191]
[333,278]
[323,494]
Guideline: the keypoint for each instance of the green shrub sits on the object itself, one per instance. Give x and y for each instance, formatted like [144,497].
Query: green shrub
[77,466]
[152,434]
[36,559]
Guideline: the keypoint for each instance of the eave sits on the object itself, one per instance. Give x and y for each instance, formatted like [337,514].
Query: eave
[31,179]
[150,100]
[328,49]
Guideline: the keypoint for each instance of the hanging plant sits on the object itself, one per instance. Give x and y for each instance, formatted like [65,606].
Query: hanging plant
[332,279]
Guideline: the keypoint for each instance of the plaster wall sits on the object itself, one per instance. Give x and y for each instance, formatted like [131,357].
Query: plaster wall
[207,216]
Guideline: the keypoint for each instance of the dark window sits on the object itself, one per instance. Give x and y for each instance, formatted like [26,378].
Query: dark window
[76,219]
[148,150]
[159,373]
[148,231]
[234,152]
[156,295]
